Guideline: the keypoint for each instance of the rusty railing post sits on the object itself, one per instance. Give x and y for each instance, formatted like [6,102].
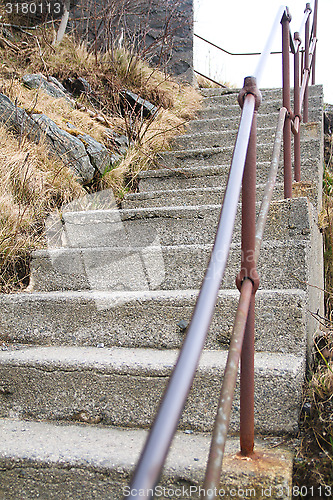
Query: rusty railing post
[306,65]
[314,35]
[297,113]
[248,271]
[286,18]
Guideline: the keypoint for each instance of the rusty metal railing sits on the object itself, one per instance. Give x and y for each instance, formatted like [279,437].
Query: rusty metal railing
[243,168]
[301,96]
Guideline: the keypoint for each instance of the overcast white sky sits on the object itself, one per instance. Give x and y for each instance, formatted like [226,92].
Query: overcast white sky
[234,26]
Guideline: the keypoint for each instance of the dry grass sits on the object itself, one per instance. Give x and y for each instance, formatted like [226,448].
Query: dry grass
[31,185]
[314,461]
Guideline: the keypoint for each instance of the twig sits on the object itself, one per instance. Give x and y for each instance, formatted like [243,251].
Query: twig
[9,44]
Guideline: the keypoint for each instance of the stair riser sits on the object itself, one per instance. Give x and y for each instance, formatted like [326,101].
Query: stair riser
[314,90]
[315,100]
[223,110]
[228,123]
[117,397]
[219,139]
[187,197]
[149,320]
[234,111]
[224,138]
[162,268]
[175,226]
[176,180]
[219,156]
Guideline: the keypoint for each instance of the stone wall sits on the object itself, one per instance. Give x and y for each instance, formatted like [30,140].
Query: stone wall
[161,30]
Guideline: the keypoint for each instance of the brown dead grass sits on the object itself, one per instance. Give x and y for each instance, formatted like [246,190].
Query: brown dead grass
[31,185]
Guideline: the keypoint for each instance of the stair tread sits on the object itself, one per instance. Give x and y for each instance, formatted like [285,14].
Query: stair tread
[125,296]
[130,361]
[271,244]
[117,450]
[70,216]
[207,150]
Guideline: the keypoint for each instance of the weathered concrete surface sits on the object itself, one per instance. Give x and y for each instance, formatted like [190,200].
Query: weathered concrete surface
[53,462]
[122,387]
[148,319]
[162,267]
[267,93]
[222,154]
[212,195]
[287,219]
[215,139]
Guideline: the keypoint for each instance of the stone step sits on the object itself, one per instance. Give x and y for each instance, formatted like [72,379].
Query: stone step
[154,319]
[144,227]
[219,139]
[211,176]
[123,387]
[233,110]
[231,123]
[179,267]
[219,155]
[187,196]
[44,460]
[221,135]
[315,99]
[267,93]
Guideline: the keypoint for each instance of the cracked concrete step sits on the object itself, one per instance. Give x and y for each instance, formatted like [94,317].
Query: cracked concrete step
[142,227]
[315,112]
[155,319]
[162,267]
[123,387]
[315,100]
[190,196]
[267,93]
[44,460]
[219,155]
[220,124]
[194,179]
[220,138]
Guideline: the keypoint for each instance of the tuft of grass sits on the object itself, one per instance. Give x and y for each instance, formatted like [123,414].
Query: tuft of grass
[313,466]
[31,185]
[205,83]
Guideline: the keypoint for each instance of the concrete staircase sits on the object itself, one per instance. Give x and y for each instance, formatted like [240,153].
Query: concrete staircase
[88,349]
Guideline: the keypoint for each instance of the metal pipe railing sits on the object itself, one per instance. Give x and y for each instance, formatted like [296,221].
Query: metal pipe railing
[243,166]
[306,65]
[221,425]
[232,53]
[314,35]
[156,448]
[285,21]
[297,112]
